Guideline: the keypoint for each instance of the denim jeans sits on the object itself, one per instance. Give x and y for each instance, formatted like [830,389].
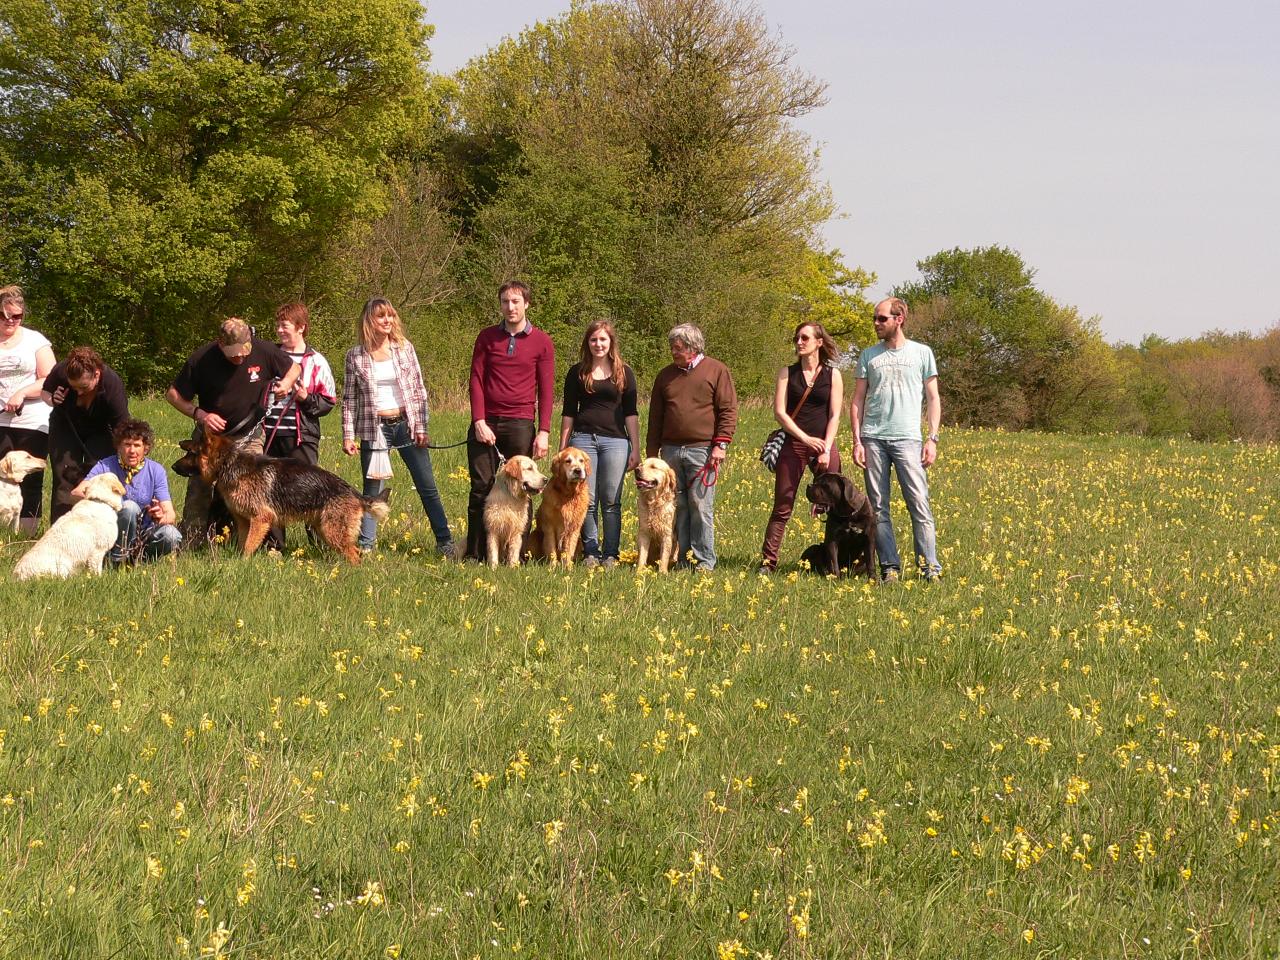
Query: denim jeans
[157,540]
[608,456]
[904,457]
[695,504]
[418,461]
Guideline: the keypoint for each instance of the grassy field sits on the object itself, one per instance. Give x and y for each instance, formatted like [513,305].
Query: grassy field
[1069,747]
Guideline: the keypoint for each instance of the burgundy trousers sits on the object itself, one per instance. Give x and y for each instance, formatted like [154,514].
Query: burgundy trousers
[792,462]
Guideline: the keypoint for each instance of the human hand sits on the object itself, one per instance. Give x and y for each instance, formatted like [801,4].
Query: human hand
[350,447]
[59,395]
[300,392]
[717,455]
[633,459]
[155,511]
[859,454]
[13,405]
[929,453]
[540,444]
[279,389]
[824,460]
[213,423]
[421,439]
[816,445]
[484,434]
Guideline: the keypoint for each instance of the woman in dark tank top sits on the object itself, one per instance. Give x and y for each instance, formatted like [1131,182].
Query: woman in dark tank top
[811,427]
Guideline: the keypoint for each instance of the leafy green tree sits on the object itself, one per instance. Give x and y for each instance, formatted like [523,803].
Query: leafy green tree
[169,161]
[1008,355]
[638,158]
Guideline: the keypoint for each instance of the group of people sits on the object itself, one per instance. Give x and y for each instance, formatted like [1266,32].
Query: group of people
[271,396]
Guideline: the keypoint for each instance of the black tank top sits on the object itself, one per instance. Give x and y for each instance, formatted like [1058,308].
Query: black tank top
[814,416]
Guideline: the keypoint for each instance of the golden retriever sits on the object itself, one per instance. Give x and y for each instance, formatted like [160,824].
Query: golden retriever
[655,512]
[563,508]
[81,537]
[506,509]
[14,468]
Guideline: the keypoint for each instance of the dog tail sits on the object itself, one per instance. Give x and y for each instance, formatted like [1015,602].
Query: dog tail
[377,505]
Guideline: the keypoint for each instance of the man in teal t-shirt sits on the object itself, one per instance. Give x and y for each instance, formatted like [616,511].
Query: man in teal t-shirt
[896,377]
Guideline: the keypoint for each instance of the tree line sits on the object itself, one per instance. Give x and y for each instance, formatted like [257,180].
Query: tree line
[163,165]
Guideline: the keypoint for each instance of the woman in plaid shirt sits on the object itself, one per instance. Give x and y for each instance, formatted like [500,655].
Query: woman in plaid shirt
[384,399]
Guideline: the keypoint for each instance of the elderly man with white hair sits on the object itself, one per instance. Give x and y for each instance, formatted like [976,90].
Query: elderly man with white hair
[693,413]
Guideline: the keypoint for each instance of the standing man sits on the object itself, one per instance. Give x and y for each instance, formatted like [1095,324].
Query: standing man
[894,377]
[693,413]
[223,387]
[512,369]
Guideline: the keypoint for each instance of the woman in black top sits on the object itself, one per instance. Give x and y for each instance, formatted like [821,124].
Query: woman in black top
[88,401]
[599,417]
[811,427]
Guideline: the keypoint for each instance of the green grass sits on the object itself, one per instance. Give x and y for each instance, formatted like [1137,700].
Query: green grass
[1069,747]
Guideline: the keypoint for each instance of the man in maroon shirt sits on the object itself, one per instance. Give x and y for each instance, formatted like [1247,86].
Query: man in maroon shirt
[512,369]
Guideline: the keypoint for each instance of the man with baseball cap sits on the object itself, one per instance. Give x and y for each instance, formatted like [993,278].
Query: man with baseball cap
[223,388]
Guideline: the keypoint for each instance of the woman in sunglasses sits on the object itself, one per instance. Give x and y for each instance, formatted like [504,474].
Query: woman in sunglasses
[25,360]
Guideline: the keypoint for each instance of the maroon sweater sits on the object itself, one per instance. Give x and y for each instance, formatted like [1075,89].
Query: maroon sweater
[508,373]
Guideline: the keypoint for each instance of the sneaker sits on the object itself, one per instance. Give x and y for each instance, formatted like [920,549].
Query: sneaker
[591,562]
[889,575]
[764,570]
[610,563]
[447,551]
[932,576]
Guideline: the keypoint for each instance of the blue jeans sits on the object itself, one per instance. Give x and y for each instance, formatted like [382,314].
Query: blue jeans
[608,457]
[695,504]
[418,461]
[157,540]
[904,457]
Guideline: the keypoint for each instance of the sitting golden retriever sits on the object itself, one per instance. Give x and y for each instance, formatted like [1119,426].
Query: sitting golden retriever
[562,509]
[655,512]
[506,509]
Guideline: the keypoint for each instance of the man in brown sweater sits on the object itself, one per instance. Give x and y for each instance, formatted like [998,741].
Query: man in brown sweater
[692,415]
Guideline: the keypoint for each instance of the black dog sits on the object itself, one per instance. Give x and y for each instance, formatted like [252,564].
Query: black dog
[850,543]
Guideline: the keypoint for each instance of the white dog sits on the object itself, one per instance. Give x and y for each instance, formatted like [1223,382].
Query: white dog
[14,467]
[81,537]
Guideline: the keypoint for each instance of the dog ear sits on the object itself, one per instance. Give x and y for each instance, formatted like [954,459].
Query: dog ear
[6,468]
[512,468]
[190,446]
[845,485]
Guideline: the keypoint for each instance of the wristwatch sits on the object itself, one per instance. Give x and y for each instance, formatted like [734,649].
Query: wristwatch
[722,444]
[933,437]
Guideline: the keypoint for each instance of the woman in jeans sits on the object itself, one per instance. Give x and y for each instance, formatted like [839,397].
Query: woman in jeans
[811,427]
[384,405]
[599,417]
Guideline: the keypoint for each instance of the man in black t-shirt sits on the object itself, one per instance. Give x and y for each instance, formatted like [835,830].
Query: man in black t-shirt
[223,388]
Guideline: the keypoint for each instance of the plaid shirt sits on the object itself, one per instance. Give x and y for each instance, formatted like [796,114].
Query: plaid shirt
[360,396]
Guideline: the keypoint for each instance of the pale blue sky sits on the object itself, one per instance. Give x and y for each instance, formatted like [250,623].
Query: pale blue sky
[1130,152]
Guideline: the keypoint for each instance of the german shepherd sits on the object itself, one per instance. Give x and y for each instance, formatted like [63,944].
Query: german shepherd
[261,492]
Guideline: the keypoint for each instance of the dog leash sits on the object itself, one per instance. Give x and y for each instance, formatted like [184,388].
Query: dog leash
[709,474]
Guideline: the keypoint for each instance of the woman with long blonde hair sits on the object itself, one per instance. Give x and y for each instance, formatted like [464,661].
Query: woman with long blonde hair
[599,417]
[384,407]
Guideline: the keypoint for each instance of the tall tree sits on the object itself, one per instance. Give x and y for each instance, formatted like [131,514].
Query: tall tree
[1008,355]
[172,159]
[639,158]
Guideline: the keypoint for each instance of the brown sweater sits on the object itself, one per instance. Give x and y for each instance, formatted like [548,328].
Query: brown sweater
[691,406]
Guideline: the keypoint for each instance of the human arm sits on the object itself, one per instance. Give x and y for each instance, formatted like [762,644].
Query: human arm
[933,414]
[833,419]
[546,374]
[725,399]
[475,387]
[321,396]
[350,398]
[162,511]
[45,361]
[285,384]
[657,409]
[569,405]
[415,392]
[633,433]
[189,408]
[856,406]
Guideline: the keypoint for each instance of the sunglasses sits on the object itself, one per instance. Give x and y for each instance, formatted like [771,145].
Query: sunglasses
[879,319]
[14,317]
